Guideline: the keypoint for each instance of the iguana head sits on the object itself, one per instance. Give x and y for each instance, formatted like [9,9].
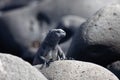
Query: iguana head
[54,36]
[57,33]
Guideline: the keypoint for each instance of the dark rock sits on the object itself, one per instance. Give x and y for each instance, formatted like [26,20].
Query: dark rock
[76,70]
[98,39]
[14,68]
[115,68]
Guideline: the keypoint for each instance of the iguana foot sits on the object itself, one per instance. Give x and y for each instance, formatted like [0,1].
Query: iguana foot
[46,63]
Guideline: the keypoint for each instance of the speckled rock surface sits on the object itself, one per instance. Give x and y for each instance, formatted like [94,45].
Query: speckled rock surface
[76,70]
[14,68]
[98,39]
[115,68]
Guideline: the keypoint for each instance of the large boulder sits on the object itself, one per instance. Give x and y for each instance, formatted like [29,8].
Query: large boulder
[98,39]
[14,68]
[76,70]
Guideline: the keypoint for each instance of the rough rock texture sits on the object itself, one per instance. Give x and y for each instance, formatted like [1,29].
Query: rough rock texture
[14,68]
[76,70]
[21,28]
[98,39]
[115,68]
[69,24]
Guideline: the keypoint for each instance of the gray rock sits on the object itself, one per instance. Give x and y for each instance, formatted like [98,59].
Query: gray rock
[62,8]
[21,30]
[13,4]
[98,39]
[76,70]
[115,68]
[56,9]
[14,68]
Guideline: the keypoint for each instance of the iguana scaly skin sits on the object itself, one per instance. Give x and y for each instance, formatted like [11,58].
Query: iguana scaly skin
[49,49]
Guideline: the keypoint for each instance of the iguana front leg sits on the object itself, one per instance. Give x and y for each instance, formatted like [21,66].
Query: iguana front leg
[45,62]
[61,54]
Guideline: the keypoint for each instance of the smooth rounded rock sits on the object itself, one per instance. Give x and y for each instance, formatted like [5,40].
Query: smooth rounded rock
[14,68]
[76,70]
[83,8]
[98,39]
[13,4]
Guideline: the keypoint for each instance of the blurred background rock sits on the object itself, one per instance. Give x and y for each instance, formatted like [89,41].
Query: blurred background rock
[7,4]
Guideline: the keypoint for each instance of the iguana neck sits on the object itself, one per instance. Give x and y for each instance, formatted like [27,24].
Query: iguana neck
[51,43]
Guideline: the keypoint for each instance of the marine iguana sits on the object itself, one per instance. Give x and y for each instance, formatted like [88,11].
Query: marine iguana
[49,49]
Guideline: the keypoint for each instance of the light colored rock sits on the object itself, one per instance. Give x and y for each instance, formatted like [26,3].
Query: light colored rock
[72,20]
[98,39]
[10,4]
[76,70]
[56,9]
[14,68]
